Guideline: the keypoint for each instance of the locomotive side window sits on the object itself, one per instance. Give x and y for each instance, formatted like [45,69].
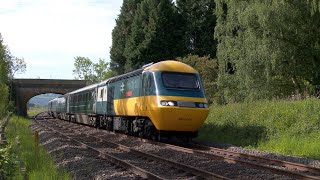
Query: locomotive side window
[148,85]
[180,80]
[151,89]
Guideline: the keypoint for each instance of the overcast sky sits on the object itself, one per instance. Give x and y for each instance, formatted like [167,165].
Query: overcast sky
[48,34]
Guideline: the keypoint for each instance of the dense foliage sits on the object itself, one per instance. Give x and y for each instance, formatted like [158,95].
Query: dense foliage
[267,49]
[155,34]
[120,34]
[154,30]
[198,21]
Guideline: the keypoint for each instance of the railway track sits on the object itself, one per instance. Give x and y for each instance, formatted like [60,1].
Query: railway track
[138,161]
[289,169]
[295,170]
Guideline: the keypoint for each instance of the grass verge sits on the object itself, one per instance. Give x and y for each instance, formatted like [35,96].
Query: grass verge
[37,163]
[35,110]
[288,127]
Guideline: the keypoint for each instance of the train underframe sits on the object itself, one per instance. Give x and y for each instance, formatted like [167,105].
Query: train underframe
[136,126]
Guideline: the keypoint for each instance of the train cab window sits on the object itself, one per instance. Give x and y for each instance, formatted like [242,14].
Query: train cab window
[180,80]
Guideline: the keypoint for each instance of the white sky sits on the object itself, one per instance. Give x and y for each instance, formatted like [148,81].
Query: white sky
[48,34]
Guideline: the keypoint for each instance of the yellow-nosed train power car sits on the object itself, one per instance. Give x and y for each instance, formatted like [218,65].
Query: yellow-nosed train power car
[161,99]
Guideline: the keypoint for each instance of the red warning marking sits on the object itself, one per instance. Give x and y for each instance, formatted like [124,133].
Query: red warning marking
[129,93]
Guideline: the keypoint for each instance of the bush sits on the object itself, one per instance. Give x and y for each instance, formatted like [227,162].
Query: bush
[8,163]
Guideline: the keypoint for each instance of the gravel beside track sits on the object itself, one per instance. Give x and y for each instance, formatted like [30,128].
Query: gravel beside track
[233,171]
[81,162]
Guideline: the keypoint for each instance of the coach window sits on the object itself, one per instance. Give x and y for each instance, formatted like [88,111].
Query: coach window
[101,93]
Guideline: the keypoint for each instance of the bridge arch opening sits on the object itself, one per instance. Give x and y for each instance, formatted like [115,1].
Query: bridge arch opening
[39,103]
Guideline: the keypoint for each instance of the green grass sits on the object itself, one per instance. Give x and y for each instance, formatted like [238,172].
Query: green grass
[289,127]
[38,164]
[35,110]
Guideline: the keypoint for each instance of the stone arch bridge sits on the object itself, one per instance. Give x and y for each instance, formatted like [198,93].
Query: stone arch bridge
[25,89]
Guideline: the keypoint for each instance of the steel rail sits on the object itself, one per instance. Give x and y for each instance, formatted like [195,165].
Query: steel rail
[143,173]
[193,170]
[233,158]
[271,162]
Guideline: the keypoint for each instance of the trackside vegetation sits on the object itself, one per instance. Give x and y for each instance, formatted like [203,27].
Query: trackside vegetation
[27,155]
[288,127]
[36,110]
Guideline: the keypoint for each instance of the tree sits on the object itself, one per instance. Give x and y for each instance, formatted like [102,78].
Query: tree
[84,69]
[16,65]
[102,70]
[3,78]
[93,72]
[120,35]
[271,48]
[198,26]
[155,35]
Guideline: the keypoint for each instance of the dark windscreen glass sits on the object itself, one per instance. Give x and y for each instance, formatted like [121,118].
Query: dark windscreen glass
[180,80]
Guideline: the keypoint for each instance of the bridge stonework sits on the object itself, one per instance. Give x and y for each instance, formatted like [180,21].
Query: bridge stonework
[25,89]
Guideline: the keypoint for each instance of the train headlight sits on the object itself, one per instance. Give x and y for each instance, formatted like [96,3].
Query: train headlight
[202,105]
[168,103]
[205,105]
[164,103]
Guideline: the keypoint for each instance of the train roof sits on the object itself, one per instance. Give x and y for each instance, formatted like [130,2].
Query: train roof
[171,65]
[84,88]
[123,76]
[57,99]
